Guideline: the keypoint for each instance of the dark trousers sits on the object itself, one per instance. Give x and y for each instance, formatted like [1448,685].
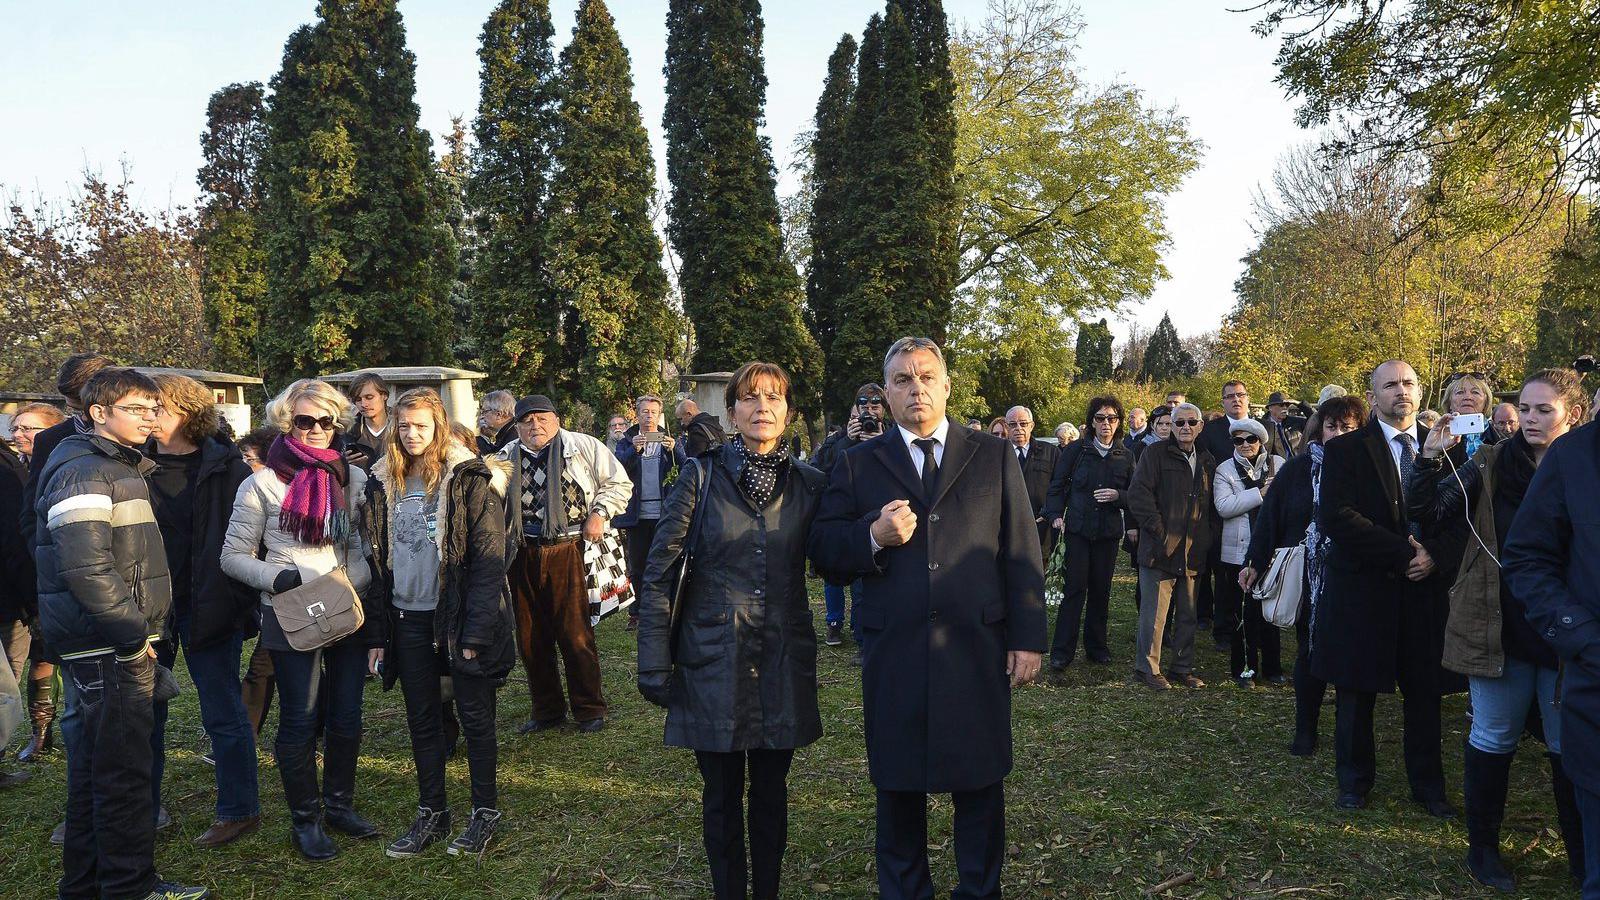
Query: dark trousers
[1086,597]
[553,613]
[1205,604]
[1047,541]
[1308,688]
[723,815]
[166,655]
[1357,763]
[640,537]
[111,836]
[215,673]
[1256,644]
[339,684]
[1589,809]
[420,667]
[902,843]
[257,687]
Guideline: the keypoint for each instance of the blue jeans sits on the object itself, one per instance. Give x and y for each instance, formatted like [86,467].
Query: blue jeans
[215,672]
[833,603]
[1589,808]
[1500,707]
[343,679]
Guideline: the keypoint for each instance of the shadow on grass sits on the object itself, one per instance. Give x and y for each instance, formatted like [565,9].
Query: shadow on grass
[1116,789]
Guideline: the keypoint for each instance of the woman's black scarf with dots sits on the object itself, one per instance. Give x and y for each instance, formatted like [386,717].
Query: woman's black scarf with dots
[763,473]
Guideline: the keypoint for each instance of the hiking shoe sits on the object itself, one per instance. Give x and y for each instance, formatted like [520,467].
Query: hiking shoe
[166,890]
[480,828]
[428,828]
[835,634]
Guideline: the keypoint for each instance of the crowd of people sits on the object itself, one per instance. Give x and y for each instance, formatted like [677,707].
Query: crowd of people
[361,534]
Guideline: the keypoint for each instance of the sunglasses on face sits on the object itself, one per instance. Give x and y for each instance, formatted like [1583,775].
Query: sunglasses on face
[1103,417]
[1239,440]
[1186,423]
[306,423]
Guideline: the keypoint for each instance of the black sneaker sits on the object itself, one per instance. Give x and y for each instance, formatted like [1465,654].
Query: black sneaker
[166,890]
[428,828]
[835,634]
[480,828]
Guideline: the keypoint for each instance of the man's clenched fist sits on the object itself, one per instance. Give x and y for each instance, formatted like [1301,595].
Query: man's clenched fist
[895,524]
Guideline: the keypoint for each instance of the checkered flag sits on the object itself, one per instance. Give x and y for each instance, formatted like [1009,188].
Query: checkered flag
[605,575]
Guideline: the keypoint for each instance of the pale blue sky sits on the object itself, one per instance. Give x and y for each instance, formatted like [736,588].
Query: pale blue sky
[100,82]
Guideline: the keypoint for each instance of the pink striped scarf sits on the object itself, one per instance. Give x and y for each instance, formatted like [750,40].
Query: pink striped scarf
[314,506]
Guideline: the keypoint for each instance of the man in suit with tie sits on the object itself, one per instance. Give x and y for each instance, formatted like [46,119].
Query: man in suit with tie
[1038,461]
[935,521]
[1285,433]
[1380,619]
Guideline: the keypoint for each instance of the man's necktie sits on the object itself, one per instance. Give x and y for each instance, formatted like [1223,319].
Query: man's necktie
[1408,462]
[930,466]
[1020,457]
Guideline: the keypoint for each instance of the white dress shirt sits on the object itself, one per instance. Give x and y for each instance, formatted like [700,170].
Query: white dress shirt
[1389,434]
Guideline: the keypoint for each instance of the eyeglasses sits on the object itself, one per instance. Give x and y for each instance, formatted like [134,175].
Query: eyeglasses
[1238,395]
[306,423]
[1186,423]
[140,412]
[26,429]
[1457,376]
[1239,440]
[1102,417]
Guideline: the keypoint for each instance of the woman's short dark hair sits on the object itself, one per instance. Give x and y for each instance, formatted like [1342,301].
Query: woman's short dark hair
[1348,408]
[259,440]
[1098,403]
[113,383]
[745,379]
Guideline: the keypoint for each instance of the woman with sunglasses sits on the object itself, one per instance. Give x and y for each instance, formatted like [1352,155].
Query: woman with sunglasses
[301,512]
[1088,492]
[1242,482]
[1511,669]
[1287,517]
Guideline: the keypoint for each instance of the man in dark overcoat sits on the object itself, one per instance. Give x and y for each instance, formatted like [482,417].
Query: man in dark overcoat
[935,521]
[1380,619]
[1038,461]
[1552,564]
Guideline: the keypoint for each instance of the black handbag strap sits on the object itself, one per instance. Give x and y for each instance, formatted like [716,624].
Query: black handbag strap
[686,557]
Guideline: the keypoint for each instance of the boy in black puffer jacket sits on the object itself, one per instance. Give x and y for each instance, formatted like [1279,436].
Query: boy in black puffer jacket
[104,592]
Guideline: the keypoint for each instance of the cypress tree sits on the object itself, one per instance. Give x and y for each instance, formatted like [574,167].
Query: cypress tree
[358,255]
[890,257]
[515,318]
[930,34]
[233,279]
[605,258]
[741,294]
[1165,359]
[826,278]
[454,168]
[1093,352]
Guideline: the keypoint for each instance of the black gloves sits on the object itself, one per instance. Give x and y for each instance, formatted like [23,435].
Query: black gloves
[654,686]
[287,580]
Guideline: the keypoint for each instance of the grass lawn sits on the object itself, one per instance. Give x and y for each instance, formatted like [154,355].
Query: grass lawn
[1116,790]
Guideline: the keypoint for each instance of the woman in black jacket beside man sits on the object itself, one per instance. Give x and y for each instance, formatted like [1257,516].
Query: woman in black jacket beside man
[1287,514]
[736,667]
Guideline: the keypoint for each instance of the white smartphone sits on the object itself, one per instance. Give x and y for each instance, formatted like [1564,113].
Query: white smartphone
[1470,423]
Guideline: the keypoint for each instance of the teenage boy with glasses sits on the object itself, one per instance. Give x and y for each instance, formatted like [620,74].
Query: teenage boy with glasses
[104,594]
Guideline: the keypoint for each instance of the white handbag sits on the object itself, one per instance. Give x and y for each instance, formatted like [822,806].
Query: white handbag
[1280,590]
